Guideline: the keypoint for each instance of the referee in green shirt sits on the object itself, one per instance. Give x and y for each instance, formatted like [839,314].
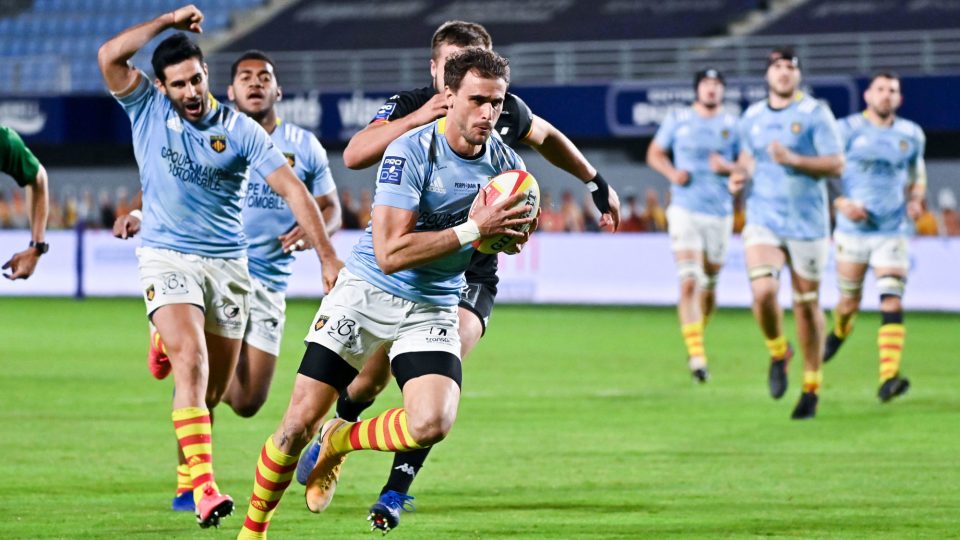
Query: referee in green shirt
[19,162]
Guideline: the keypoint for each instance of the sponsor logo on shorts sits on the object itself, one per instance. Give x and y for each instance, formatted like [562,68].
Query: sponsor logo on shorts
[345,331]
[392,170]
[218,143]
[267,328]
[438,335]
[151,293]
[228,315]
[174,283]
[321,322]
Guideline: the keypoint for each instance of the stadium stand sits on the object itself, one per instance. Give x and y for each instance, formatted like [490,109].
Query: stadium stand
[825,16]
[72,31]
[332,25]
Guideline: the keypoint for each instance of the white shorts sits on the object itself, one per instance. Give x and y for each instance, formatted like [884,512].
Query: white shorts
[220,287]
[357,318]
[267,316]
[807,257]
[703,233]
[878,251]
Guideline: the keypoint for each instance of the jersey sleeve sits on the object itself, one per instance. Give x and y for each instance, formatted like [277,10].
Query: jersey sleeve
[16,159]
[917,164]
[319,177]
[521,115]
[845,131]
[137,103]
[743,135]
[395,107]
[263,157]
[400,177]
[664,136]
[826,135]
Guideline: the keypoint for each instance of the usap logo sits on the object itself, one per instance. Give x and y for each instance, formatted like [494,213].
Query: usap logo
[391,170]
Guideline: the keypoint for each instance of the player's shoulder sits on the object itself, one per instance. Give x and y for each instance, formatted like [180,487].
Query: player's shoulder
[809,105]
[293,134]
[853,122]
[233,120]
[416,97]
[755,109]
[416,141]
[513,102]
[908,128]
[728,118]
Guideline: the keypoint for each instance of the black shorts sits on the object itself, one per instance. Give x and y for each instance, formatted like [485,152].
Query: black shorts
[479,293]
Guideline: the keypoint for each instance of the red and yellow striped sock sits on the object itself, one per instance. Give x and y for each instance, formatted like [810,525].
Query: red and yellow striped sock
[184,484]
[812,380]
[194,434]
[387,433]
[693,338]
[274,472]
[890,339]
[842,328]
[777,347]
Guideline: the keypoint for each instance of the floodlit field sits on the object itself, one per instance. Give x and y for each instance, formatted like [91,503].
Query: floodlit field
[575,423]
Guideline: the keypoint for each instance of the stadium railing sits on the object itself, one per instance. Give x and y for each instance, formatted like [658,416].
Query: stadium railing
[925,52]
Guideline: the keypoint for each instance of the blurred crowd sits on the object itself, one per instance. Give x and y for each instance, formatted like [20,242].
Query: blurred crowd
[566,214]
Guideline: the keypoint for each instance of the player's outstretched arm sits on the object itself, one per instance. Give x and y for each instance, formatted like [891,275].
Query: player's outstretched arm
[286,184]
[22,264]
[367,146]
[114,55]
[559,150]
[397,246]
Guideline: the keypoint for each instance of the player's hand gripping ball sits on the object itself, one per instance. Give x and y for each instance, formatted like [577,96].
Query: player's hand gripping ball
[502,187]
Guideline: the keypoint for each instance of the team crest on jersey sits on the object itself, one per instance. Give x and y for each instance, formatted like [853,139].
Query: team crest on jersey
[291,159]
[795,128]
[904,145]
[321,322]
[725,134]
[151,293]
[218,143]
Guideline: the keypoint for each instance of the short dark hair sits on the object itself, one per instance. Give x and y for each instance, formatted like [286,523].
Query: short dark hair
[783,53]
[460,34]
[252,54]
[173,50]
[486,63]
[883,74]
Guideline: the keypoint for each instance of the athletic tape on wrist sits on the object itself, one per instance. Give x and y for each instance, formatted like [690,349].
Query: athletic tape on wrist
[137,213]
[467,232]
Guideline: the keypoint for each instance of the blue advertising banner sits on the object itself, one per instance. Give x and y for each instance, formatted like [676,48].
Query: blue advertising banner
[624,109]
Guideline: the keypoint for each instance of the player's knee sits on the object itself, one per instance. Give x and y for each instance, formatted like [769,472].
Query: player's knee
[808,301]
[891,285]
[849,288]
[429,427]
[248,406]
[709,283]
[691,277]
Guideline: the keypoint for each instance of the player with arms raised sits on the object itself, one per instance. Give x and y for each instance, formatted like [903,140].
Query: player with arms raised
[789,144]
[884,185]
[400,290]
[703,141]
[194,155]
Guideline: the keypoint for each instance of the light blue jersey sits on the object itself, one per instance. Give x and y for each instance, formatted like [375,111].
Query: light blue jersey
[790,203]
[692,138]
[877,172]
[420,172]
[267,216]
[193,175]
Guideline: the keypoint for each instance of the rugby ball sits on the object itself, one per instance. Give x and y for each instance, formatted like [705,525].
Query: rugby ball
[502,187]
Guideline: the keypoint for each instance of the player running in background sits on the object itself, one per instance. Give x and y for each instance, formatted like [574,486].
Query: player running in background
[273,236]
[19,162]
[703,142]
[789,143]
[884,185]
[194,155]
[400,290]
[408,110]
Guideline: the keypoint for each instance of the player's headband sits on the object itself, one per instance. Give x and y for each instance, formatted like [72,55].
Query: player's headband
[708,73]
[785,53]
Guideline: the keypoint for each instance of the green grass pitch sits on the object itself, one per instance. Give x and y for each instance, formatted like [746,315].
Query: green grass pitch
[574,423]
